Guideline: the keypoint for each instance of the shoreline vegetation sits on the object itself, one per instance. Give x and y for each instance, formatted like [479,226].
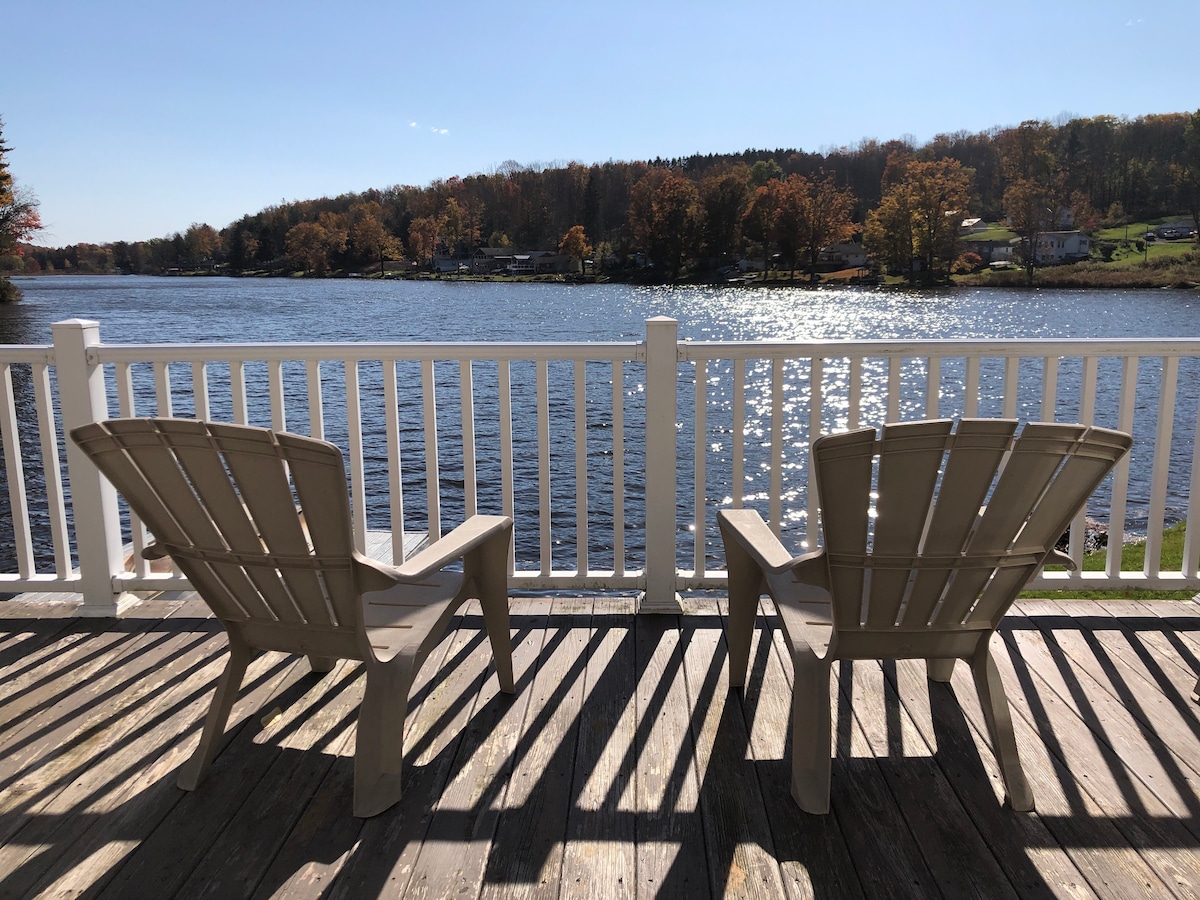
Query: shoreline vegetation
[1182,273]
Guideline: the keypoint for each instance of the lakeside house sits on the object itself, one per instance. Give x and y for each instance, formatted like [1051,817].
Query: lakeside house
[847,255]
[993,251]
[1056,247]
[490,260]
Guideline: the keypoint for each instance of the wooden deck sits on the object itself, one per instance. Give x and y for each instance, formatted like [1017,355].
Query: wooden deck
[623,766]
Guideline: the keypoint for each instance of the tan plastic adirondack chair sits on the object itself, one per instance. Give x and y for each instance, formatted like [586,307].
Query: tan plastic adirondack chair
[962,521]
[259,522]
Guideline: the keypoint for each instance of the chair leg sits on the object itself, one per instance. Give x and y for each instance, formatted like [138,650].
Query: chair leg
[811,731]
[379,752]
[492,578]
[1000,728]
[192,772]
[487,567]
[941,670]
[321,664]
[744,580]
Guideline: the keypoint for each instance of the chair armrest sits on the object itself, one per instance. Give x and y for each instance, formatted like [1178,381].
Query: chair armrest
[746,527]
[466,537]
[1058,558]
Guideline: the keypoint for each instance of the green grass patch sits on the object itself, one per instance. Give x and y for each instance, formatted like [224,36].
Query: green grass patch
[1133,558]
[994,233]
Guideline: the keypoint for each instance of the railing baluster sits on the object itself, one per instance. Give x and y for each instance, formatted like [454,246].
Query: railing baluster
[581,473]
[162,389]
[738,482]
[1120,477]
[618,457]
[776,491]
[854,409]
[466,393]
[56,507]
[200,402]
[275,385]
[127,409]
[504,389]
[1191,535]
[1162,461]
[316,400]
[893,389]
[699,517]
[391,416]
[971,389]
[433,490]
[1087,416]
[14,471]
[1012,385]
[543,430]
[237,391]
[816,402]
[933,387]
[1049,388]
[358,488]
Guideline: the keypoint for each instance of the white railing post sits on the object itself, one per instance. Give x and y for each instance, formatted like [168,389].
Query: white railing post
[93,498]
[662,367]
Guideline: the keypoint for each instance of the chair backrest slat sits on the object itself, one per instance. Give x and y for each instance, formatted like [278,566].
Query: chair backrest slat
[844,473]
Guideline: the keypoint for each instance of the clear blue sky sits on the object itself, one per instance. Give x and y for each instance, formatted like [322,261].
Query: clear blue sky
[131,120]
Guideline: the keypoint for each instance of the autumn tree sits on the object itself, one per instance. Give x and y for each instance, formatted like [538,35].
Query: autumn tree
[203,244]
[452,224]
[575,245]
[1033,198]
[367,239]
[19,218]
[423,237]
[811,214]
[760,217]
[723,199]
[828,221]
[306,248]
[665,217]
[919,215]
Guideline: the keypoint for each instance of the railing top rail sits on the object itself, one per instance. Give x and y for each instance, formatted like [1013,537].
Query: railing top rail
[356,351]
[939,348]
[26,353]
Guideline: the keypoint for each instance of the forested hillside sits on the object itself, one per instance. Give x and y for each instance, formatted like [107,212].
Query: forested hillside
[700,212]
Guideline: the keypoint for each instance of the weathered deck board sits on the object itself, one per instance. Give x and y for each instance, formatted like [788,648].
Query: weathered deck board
[624,765]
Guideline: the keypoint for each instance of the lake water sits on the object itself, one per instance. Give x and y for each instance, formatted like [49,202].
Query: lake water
[186,310]
[145,309]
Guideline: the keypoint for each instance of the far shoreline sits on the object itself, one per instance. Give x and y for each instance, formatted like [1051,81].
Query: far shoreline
[1058,278]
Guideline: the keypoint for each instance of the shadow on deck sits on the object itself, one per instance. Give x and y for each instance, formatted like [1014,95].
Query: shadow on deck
[623,766]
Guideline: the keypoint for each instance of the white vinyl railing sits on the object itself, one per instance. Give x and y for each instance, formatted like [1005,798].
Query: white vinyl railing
[613,458]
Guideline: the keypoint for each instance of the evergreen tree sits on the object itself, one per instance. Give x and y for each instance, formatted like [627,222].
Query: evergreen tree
[18,217]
